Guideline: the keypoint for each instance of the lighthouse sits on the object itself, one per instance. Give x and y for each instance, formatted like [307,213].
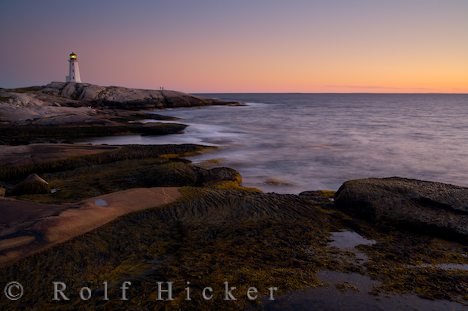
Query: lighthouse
[73,69]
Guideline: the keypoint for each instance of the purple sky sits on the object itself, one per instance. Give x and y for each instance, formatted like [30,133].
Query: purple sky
[240,46]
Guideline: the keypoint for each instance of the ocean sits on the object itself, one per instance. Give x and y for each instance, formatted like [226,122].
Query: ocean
[288,143]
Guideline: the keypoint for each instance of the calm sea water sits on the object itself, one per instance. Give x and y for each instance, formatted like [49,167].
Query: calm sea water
[294,142]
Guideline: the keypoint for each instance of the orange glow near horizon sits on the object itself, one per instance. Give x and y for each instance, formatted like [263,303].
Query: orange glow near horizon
[269,46]
[317,72]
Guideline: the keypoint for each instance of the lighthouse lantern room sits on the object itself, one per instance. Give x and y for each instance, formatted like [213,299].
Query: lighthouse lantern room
[73,69]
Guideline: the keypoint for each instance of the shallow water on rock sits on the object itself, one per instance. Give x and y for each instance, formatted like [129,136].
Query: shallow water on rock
[348,240]
[444,266]
[100,202]
[452,266]
[350,291]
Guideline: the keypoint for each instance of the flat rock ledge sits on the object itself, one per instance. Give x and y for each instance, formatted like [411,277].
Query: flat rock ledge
[428,207]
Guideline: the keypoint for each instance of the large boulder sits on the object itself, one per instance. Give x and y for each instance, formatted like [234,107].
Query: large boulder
[429,207]
[33,184]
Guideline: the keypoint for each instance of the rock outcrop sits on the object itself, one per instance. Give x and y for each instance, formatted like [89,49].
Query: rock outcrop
[431,207]
[180,173]
[63,112]
[70,102]
[73,94]
[218,174]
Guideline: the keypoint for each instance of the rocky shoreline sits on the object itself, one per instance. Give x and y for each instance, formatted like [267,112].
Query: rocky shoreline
[190,224]
[63,112]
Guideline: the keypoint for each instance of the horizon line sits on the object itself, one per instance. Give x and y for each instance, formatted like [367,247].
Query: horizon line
[337,92]
[263,92]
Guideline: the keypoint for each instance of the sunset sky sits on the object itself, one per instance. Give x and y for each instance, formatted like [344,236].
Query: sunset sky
[240,46]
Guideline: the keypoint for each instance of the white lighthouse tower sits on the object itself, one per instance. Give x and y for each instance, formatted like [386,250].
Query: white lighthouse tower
[73,69]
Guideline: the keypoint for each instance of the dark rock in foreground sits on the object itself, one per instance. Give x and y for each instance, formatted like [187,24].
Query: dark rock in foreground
[431,207]
[33,184]
[26,134]
[217,174]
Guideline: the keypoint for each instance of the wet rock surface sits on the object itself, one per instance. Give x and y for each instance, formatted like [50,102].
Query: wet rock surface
[350,291]
[249,239]
[429,207]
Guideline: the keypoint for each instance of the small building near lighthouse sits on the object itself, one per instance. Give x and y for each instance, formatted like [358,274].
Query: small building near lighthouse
[73,69]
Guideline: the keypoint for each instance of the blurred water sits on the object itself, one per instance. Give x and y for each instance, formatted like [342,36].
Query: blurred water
[296,142]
